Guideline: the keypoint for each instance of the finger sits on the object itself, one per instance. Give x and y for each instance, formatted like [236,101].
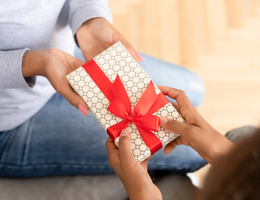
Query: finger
[73,98]
[169,147]
[124,146]
[111,147]
[130,48]
[145,162]
[186,109]
[174,126]
[148,159]
[179,95]
[175,105]
[113,153]
[178,141]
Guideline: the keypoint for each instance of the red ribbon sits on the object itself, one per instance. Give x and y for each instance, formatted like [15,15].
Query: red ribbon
[120,106]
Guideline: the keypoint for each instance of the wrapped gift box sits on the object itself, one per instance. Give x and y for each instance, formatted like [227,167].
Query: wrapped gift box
[117,63]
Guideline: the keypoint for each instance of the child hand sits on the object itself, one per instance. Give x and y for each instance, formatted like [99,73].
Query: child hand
[196,132]
[132,174]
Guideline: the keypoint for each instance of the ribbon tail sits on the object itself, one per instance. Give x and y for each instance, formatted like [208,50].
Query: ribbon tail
[115,130]
[150,139]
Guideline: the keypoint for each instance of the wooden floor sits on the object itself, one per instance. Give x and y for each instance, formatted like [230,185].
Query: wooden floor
[230,71]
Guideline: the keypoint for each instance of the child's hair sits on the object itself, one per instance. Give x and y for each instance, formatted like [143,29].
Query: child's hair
[239,179]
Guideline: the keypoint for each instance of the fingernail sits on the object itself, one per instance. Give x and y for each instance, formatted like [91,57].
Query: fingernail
[123,133]
[163,120]
[139,58]
[83,109]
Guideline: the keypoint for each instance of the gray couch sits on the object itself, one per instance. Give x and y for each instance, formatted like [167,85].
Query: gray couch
[95,187]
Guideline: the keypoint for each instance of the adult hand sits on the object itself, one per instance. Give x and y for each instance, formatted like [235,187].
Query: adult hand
[196,132]
[132,174]
[97,34]
[55,64]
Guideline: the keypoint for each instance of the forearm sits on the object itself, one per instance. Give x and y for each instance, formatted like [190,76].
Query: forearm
[140,186]
[211,144]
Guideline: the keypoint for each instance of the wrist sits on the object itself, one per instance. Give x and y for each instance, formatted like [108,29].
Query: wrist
[221,149]
[85,25]
[87,29]
[144,193]
[33,63]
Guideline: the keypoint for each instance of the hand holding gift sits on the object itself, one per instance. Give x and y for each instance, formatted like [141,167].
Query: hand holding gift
[196,132]
[94,36]
[54,65]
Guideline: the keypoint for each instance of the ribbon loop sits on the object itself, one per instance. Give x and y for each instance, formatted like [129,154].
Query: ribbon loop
[146,101]
[119,109]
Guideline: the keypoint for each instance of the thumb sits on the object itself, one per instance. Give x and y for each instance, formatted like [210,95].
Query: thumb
[72,97]
[124,146]
[173,126]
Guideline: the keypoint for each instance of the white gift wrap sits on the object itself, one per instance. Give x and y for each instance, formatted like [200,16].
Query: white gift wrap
[117,60]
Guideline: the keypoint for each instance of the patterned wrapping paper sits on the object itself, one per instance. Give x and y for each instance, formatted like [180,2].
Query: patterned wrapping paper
[116,60]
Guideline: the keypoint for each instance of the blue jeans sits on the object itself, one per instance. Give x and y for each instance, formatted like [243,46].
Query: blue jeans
[59,140]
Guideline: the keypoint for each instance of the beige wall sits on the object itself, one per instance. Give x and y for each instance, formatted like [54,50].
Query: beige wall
[180,30]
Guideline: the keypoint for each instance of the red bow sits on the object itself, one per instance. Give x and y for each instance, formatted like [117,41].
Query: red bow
[120,106]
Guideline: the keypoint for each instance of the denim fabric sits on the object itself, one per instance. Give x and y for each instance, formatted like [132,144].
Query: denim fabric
[59,140]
